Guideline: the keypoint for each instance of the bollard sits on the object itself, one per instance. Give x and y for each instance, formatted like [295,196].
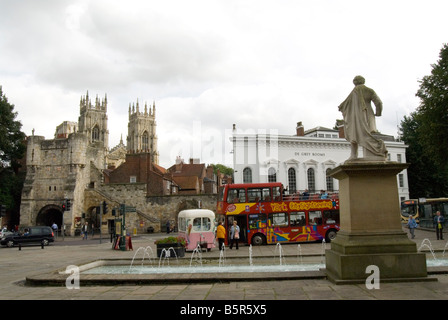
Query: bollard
[20,246]
[42,244]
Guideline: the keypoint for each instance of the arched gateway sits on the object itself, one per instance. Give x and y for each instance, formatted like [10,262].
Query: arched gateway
[48,215]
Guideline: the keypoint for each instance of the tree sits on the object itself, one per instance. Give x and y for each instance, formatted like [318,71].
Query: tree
[12,147]
[222,168]
[433,110]
[425,179]
[425,131]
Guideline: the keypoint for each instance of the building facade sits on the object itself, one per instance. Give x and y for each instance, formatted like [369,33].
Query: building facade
[77,164]
[301,161]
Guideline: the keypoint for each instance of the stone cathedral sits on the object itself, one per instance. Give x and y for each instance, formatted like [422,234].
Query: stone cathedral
[72,166]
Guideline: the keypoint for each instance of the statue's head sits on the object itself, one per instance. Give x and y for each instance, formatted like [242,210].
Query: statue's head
[359,80]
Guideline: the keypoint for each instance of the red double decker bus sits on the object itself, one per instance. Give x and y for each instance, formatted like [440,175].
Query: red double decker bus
[266,216]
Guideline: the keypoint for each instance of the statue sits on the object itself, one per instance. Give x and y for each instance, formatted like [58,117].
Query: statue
[359,121]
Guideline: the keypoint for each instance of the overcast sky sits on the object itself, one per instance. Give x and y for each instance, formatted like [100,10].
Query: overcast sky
[262,65]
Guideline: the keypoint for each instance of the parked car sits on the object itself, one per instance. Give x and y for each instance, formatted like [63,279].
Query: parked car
[38,234]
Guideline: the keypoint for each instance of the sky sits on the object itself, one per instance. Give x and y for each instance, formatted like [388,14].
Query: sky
[261,65]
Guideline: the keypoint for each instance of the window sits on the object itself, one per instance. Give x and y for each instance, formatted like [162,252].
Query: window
[297,219]
[258,194]
[311,180]
[236,195]
[257,221]
[182,224]
[398,157]
[276,194]
[247,175]
[330,184]
[272,175]
[132,179]
[95,134]
[292,181]
[201,224]
[279,219]
[331,217]
[401,180]
[145,141]
[315,217]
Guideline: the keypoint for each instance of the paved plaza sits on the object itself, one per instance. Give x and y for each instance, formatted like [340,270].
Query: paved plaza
[16,265]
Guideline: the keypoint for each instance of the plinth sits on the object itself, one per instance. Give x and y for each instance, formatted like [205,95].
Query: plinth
[371,231]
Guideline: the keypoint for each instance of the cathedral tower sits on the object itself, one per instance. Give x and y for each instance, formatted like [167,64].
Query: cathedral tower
[142,131]
[93,120]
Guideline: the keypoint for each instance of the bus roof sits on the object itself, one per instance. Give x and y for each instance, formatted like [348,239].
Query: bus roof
[253,185]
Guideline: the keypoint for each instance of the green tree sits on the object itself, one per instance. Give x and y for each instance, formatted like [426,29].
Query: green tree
[433,110]
[425,131]
[424,176]
[222,168]
[12,149]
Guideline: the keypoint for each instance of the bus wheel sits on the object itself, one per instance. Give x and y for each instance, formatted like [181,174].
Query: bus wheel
[258,240]
[330,235]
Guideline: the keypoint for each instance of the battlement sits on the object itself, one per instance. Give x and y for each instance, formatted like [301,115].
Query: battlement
[135,110]
[86,103]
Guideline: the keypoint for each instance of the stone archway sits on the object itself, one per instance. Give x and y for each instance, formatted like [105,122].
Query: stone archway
[48,215]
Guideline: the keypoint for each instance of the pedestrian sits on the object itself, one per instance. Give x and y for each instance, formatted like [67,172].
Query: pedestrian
[168,226]
[412,224]
[220,235]
[85,228]
[234,235]
[438,221]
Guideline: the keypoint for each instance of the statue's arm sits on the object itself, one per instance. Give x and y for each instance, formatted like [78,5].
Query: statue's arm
[378,104]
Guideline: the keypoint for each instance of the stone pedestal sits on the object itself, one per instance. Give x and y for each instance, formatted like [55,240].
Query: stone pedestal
[371,231]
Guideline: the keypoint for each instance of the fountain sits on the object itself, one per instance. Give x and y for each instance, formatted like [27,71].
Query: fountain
[426,243]
[222,257]
[196,255]
[278,247]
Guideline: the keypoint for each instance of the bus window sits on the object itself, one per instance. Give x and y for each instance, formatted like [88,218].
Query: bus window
[278,219]
[257,221]
[254,195]
[259,194]
[315,217]
[276,194]
[297,219]
[236,195]
[331,217]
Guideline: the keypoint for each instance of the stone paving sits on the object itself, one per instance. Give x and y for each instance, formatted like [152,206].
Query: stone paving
[16,265]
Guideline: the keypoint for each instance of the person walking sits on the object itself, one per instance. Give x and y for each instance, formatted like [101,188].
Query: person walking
[234,235]
[220,235]
[438,221]
[85,228]
[412,224]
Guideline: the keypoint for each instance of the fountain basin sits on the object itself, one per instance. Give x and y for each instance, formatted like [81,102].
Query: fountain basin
[119,274]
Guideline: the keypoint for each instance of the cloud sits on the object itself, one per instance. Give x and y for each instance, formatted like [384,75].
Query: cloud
[211,64]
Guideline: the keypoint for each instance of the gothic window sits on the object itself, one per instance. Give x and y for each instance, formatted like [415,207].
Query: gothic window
[292,187]
[95,134]
[311,180]
[145,140]
[330,184]
[247,175]
[272,175]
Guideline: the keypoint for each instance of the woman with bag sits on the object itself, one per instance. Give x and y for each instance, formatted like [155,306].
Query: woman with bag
[234,235]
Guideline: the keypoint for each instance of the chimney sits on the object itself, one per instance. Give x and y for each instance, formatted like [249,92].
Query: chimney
[300,130]
[340,126]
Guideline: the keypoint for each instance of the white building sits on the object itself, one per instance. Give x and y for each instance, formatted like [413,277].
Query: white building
[301,161]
